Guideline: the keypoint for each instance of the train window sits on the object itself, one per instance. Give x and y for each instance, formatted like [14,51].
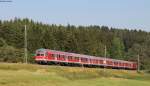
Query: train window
[110,62]
[97,61]
[126,64]
[94,61]
[63,56]
[57,56]
[107,62]
[101,61]
[119,64]
[90,60]
[70,58]
[42,54]
[129,65]
[76,58]
[123,64]
[46,54]
[38,54]
[84,59]
[53,55]
[115,63]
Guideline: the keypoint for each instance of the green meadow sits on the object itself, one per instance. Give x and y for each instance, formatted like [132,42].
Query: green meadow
[12,74]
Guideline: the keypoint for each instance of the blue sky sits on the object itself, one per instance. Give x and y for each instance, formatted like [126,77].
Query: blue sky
[132,14]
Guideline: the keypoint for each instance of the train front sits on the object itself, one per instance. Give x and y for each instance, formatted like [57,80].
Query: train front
[41,56]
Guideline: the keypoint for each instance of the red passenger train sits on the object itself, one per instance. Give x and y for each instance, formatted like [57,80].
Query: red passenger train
[66,58]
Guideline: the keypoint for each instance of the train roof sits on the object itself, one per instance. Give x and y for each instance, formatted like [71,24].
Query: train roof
[81,55]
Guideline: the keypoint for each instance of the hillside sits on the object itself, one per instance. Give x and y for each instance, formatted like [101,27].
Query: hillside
[122,44]
[38,75]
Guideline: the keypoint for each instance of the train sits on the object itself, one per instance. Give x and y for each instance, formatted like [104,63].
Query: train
[47,56]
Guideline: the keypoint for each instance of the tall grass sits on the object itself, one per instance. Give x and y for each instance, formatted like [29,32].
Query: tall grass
[30,74]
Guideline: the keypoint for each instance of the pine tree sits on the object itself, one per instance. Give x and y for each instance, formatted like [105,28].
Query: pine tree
[117,49]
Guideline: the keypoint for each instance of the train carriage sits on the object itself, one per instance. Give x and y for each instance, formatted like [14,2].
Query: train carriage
[53,56]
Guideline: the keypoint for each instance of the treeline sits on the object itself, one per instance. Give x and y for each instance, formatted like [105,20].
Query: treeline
[91,40]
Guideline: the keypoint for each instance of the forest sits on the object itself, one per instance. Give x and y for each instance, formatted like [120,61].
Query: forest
[124,44]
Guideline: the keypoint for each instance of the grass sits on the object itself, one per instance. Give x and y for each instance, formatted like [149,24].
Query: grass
[38,75]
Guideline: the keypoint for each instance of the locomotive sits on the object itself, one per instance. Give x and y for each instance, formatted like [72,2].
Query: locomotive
[47,56]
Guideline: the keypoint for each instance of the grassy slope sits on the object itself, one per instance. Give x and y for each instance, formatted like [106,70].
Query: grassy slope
[37,75]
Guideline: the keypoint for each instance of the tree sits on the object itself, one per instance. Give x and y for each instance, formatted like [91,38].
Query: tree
[121,43]
[117,49]
[11,54]
[48,40]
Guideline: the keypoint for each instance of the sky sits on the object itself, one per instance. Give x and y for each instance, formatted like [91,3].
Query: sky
[130,14]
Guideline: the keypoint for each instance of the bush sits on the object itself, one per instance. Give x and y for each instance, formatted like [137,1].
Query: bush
[11,54]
